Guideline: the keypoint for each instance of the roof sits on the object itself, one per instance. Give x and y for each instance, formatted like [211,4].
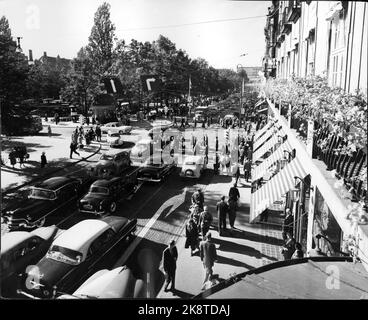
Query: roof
[54,183]
[193,159]
[305,278]
[12,239]
[81,234]
[105,182]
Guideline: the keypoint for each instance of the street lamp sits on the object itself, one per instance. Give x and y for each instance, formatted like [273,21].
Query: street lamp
[242,73]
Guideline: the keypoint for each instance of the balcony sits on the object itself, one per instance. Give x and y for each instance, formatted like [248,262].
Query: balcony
[285,24]
[294,11]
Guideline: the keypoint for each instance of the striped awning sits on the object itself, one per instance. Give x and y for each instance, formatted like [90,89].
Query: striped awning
[259,103]
[261,132]
[268,144]
[261,169]
[276,187]
[264,137]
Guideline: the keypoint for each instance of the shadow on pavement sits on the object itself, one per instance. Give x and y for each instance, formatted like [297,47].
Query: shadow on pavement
[232,262]
[238,233]
[230,246]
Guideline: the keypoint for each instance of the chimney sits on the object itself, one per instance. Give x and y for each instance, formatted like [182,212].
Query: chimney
[30,55]
[45,54]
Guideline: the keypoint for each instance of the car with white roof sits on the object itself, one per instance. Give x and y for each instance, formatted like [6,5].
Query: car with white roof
[114,139]
[77,253]
[115,127]
[193,166]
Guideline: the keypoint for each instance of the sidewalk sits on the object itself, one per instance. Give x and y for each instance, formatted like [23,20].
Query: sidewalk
[250,246]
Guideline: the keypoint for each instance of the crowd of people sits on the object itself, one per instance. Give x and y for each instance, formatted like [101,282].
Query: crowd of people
[80,138]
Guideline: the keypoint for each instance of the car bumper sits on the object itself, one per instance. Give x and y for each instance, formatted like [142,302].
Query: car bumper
[96,213]
[15,224]
[189,175]
[149,179]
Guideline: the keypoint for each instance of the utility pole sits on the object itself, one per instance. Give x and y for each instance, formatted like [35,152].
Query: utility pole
[241,71]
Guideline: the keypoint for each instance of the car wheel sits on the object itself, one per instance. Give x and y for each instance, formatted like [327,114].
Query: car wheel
[113,207]
[40,223]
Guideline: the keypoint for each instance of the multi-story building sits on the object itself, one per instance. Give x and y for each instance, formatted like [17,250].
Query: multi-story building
[314,38]
[318,37]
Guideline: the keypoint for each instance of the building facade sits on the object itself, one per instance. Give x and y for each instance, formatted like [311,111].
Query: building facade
[323,188]
[318,37]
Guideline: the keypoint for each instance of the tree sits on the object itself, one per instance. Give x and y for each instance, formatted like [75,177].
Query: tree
[83,82]
[13,72]
[101,40]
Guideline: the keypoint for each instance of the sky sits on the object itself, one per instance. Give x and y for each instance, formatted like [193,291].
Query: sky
[196,26]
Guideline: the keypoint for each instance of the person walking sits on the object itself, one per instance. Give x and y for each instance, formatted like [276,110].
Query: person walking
[208,256]
[289,247]
[191,233]
[287,225]
[98,133]
[43,160]
[227,163]
[222,210]
[49,131]
[73,149]
[12,158]
[198,198]
[247,167]
[169,257]
[205,221]
[233,206]
[234,193]
[236,173]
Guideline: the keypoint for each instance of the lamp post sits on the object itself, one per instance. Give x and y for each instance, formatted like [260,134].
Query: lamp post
[241,71]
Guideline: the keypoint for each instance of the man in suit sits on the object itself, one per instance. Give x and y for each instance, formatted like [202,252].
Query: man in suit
[208,256]
[169,257]
[287,226]
[222,210]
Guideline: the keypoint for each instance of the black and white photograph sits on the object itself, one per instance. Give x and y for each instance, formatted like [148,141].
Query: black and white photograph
[183,154]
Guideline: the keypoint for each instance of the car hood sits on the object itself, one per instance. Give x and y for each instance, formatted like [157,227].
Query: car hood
[93,198]
[52,271]
[28,206]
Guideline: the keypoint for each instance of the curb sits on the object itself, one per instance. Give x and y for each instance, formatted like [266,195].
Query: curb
[49,173]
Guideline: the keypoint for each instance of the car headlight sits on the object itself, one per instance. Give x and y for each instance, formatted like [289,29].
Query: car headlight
[28,217]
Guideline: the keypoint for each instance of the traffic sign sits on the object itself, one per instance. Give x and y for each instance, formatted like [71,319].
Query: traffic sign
[151,83]
[113,85]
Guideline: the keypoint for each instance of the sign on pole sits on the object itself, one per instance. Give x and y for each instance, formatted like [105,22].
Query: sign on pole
[113,85]
[151,83]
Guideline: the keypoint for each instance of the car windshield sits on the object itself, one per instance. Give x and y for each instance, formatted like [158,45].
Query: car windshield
[106,157]
[114,135]
[36,193]
[101,190]
[190,163]
[64,255]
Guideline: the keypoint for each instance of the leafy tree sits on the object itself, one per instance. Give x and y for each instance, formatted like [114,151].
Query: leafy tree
[83,82]
[101,40]
[13,72]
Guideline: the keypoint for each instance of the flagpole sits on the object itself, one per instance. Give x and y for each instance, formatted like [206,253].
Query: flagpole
[189,98]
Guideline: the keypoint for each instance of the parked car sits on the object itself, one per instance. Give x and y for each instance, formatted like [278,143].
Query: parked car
[112,164]
[79,252]
[115,127]
[117,283]
[114,139]
[20,249]
[156,168]
[104,195]
[193,166]
[51,197]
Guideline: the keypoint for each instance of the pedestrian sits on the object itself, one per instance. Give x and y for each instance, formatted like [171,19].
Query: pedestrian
[191,233]
[46,118]
[247,165]
[205,221]
[21,160]
[234,193]
[98,133]
[289,247]
[198,198]
[93,120]
[49,131]
[186,122]
[169,258]
[208,256]
[12,158]
[216,164]
[43,160]
[222,210]
[233,207]
[73,149]
[227,161]
[298,251]
[87,120]
[236,173]
[287,226]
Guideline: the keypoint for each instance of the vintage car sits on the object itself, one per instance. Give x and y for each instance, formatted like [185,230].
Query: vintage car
[143,149]
[112,164]
[156,168]
[104,194]
[193,166]
[114,139]
[115,127]
[117,283]
[20,249]
[76,254]
[48,200]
